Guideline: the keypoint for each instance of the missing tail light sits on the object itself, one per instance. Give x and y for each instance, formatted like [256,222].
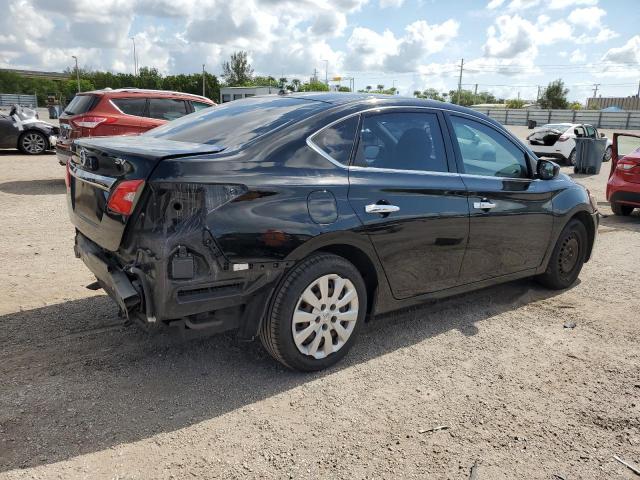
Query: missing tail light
[91,121]
[123,198]
[563,138]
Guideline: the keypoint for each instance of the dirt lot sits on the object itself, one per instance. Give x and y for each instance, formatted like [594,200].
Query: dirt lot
[81,396]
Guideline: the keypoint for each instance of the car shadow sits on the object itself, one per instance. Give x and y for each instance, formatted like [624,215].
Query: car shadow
[15,151]
[617,222]
[53,186]
[75,380]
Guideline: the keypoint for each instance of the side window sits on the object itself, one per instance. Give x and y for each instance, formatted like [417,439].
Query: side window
[488,152]
[197,106]
[591,132]
[167,108]
[131,106]
[337,140]
[579,131]
[402,141]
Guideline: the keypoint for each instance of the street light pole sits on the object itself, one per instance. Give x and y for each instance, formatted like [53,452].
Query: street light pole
[135,58]
[77,72]
[203,75]
[326,72]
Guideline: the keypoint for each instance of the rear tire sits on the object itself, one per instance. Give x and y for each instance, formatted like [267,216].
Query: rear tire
[607,154]
[622,210]
[567,258]
[571,159]
[322,302]
[33,143]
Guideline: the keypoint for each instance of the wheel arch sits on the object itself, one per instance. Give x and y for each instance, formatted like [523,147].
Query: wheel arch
[585,218]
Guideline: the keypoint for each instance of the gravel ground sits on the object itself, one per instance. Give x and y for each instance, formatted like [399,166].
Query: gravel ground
[82,396]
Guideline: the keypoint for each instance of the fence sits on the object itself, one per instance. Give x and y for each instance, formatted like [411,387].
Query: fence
[8,99]
[620,120]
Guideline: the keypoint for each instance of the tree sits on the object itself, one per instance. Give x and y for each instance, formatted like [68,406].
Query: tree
[429,93]
[368,88]
[515,103]
[343,89]
[314,87]
[283,81]
[237,71]
[295,85]
[555,95]
[379,87]
[575,106]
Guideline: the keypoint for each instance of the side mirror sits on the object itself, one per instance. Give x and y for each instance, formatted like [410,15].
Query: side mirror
[547,170]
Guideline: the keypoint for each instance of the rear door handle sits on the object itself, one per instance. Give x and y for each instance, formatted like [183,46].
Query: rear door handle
[484,205]
[381,208]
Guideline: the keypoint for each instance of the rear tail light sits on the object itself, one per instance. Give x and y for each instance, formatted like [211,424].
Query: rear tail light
[91,121]
[628,166]
[563,138]
[123,198]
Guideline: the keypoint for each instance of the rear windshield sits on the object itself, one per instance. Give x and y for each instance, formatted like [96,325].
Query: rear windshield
[80,104]
[557,126]
[236,123]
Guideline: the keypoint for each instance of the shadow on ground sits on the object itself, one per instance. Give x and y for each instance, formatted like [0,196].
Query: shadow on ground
[616,222]
[75,381]
[54,186]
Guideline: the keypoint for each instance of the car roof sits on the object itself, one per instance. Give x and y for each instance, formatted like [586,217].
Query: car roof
[145,92]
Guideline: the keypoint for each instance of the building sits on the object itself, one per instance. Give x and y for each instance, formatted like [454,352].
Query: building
[35,74]
[227,94]
[624,103]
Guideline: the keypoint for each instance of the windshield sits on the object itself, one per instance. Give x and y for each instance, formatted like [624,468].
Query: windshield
[238,122]
[80,104]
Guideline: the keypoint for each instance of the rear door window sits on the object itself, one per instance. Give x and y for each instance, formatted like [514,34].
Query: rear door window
[402,141]
[81,104]
[197,106]
[131,106]
[167,108]
[337,140]
[591,132]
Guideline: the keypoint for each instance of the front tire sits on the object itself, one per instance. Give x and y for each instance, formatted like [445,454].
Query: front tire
[33,143]
[567,258]
[607,154]
[316,313]
[621,210]
[571,159]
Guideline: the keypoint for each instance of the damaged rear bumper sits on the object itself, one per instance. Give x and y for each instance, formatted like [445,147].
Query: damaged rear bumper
[237,301]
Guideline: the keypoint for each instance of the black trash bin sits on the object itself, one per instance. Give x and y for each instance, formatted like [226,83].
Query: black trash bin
[532,124]
[589,155]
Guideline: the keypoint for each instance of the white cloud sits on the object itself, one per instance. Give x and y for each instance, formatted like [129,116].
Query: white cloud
[589,18]
[391,3]
[493,4]
[560,4]
[629,53]
[577,56]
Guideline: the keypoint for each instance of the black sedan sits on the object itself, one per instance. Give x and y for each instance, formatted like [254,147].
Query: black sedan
[26,133]
[297,218]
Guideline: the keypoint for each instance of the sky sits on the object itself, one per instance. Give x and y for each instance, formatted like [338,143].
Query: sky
[509,46]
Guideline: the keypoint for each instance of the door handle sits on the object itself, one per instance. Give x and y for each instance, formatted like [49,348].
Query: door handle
[484,205]
[381,208]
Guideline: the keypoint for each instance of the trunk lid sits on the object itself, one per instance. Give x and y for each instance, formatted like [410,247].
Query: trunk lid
[96,168]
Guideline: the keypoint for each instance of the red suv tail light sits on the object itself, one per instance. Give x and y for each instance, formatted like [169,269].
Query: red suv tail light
[628,166]
[91,121]
[123,198]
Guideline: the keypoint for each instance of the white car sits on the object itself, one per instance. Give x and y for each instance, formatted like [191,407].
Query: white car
[558,140]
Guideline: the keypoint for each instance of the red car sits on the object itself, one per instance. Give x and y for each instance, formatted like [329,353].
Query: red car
[623,187]
[126,111]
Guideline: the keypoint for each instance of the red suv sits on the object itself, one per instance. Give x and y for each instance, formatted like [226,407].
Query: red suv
[623,187]
[126,111]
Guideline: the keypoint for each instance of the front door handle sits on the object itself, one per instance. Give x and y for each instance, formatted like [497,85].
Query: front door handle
[381,208]
[484,205]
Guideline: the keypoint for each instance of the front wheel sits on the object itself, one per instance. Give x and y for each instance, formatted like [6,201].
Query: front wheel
[571,160]
[32,143]
[607,154]
[622,210]
[316,313]
[567,258]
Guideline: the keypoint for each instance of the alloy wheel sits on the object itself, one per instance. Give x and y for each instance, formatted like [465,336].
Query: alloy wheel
[33,143]
[325,316]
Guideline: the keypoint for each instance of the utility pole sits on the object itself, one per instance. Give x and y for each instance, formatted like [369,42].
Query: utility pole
[460,80]
[538,94]
[326,72]
[595,89]
[77,72]
[475,92]
[639,89]
[203,75]
[135,58]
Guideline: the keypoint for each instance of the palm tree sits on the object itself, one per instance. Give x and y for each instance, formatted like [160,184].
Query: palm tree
[380,87]
[368,88]
[417,93]
[295,83]
[283,81]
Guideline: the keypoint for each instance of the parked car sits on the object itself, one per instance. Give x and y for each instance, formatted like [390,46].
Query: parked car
[557,140]
[22,129]
[126,111]
[296,217]
[623,186]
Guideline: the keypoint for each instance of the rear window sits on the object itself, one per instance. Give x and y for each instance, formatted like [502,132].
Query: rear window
[167,108]
[236,123]
[197,106]
[81,104]
[131,106]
